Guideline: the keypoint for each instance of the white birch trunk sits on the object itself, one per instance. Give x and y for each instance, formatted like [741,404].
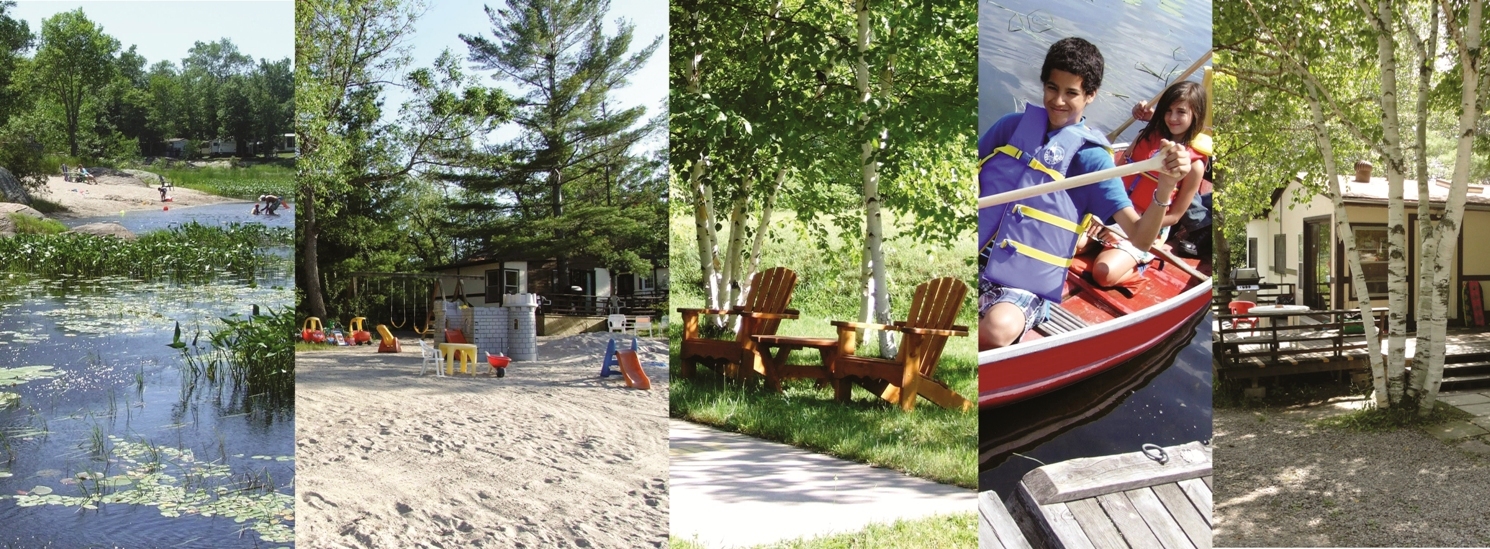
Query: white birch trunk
[877,295]
[1423,310]
[1396,211]
[703,224]
[764,225]
[734,288]
[1471,61]
[1347,238]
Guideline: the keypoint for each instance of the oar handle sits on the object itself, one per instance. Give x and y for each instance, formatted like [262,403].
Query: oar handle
[1152,164]
[1193,67]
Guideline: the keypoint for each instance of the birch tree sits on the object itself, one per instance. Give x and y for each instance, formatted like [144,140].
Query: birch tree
[1467,36]
[1310,49]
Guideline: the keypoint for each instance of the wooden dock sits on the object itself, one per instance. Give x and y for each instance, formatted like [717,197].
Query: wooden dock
[1126,500]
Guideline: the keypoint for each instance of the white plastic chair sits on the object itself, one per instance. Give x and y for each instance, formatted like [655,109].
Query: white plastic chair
[643,323]
[616,323]
[432,357]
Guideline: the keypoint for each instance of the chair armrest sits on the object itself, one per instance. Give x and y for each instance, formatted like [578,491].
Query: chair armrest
[686,312]
[846,325]
[955,331]
[786,315]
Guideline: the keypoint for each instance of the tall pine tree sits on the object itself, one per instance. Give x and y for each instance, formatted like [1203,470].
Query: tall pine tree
[566,68]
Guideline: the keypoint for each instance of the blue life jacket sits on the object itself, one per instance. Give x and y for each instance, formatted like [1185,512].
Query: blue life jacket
[1028,244]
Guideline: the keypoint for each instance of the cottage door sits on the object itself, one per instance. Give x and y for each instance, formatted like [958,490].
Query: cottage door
[1316,272]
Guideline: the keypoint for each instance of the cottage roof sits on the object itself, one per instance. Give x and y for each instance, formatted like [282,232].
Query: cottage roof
[1438,190]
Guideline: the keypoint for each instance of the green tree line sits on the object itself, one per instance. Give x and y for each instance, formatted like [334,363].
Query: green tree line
[69,88]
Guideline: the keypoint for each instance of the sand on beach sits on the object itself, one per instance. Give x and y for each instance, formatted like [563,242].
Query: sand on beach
[114,194]
[549,456]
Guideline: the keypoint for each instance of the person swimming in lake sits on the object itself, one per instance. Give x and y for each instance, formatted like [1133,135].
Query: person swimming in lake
[270,204]
[1182,107]
[1027,245]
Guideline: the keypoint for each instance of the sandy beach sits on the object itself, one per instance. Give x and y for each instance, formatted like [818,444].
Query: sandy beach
[113,194]
[548,456]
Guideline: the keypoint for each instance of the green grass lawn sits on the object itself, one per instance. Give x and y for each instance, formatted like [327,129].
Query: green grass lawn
[936,532]
[929,442]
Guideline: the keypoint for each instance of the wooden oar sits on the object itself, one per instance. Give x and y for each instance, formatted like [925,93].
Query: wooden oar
[1193,67]
[1155,163]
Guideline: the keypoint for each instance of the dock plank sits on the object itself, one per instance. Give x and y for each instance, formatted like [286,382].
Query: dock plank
[1160,522]
[1056,523]
[1200,494]
[996,529]
[1128,521]
[1094,522]
[1088,477]
[1196,527]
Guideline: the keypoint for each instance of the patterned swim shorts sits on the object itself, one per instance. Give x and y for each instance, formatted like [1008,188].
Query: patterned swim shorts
[1035,308]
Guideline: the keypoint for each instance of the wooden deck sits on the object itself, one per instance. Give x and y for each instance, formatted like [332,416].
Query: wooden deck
[1315,343]
[1126,500]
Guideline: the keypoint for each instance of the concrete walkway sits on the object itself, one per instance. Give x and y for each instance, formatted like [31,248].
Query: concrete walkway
[1471,434]
[731,490]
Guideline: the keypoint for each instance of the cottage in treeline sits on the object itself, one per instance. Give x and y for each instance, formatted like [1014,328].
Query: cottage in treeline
[578,302]
[1292,242]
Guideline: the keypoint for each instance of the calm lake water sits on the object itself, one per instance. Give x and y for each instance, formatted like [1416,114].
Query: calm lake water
[212,214]
[178,463]
[1145,43]
[1162,397]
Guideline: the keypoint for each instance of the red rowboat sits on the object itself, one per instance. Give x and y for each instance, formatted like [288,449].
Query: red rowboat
[1094,329]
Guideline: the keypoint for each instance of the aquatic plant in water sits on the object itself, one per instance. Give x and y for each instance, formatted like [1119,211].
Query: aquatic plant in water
[178,484]
[10,377]
[189,252]
[254,353]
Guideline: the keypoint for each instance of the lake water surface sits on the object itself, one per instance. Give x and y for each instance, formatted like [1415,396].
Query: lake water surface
[113,445]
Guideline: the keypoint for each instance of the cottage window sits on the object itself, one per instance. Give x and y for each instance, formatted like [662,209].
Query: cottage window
[511,281]
[1371,243]
[500,282]
[1252,253]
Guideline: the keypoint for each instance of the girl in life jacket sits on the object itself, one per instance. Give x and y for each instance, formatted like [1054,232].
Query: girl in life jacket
[1182,107]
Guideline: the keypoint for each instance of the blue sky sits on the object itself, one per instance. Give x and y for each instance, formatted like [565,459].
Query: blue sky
[166,30]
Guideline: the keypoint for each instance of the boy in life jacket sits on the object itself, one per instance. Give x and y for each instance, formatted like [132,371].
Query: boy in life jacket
[1181,109]
[1026,246]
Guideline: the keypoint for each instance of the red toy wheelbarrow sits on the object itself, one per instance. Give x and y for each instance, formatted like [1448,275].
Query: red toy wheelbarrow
[498,363]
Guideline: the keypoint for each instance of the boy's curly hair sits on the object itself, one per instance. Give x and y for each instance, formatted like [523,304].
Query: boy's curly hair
[1078,57]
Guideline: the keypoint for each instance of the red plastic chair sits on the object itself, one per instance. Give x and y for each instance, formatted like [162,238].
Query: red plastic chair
[1241,308]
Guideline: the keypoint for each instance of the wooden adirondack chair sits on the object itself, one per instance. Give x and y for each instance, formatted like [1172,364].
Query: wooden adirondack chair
[764,309]
[933,310]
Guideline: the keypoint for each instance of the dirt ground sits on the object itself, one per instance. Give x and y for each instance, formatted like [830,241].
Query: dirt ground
[1283,481]
[548,456]
[114,194]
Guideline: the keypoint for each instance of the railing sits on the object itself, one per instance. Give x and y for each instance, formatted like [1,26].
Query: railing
[1283,338]
[593,305]
[1269,294]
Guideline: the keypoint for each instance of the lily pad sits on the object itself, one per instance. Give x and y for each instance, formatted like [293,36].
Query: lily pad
[22,374]
[9,399]
[40,491]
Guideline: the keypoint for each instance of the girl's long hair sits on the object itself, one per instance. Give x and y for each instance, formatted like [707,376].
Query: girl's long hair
[1186,91]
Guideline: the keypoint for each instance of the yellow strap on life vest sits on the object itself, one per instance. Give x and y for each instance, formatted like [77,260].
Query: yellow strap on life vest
[1046,217]
[1036,253]
[1018,154]
[1203,144]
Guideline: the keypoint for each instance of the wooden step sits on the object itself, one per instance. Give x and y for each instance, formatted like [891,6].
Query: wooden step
[1462,383]
[1470,369]
[1467,358]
